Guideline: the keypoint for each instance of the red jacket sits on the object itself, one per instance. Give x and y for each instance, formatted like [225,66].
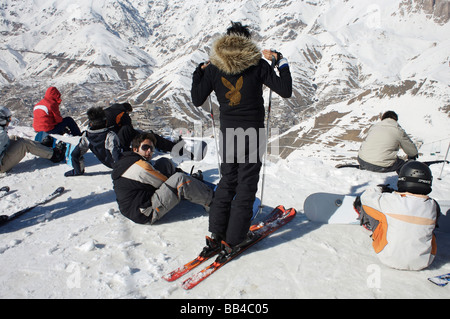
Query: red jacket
[46,113]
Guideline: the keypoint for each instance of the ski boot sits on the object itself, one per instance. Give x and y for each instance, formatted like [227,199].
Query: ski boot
[212,246]
[228,252]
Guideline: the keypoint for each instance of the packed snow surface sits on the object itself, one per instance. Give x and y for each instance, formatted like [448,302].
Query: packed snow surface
[80,246]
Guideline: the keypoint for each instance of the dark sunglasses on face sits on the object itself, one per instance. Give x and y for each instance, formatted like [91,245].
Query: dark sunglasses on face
[146,147]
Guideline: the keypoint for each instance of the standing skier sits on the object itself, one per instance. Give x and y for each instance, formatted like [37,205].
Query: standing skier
[402,221]
[236,73]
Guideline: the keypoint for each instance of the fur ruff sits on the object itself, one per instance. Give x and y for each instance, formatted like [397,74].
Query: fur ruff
[233,54]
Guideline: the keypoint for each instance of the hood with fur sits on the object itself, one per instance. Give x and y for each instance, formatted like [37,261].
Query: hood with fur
[233,54]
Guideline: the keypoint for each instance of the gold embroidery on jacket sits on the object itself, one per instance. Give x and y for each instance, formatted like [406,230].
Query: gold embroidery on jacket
[233,95]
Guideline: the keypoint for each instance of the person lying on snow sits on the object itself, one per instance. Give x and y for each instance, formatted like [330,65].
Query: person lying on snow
[102,142]
[119,121]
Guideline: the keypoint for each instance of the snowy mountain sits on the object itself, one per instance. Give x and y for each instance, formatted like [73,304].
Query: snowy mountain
[351,60]
[145,52]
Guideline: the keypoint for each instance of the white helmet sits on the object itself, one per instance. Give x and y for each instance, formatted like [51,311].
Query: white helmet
[5,115]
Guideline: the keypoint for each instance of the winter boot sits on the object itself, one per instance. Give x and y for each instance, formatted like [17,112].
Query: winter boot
[212,246]
[59,152]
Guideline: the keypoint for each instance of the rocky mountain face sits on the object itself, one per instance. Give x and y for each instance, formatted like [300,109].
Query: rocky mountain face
[95,52]
[438,10]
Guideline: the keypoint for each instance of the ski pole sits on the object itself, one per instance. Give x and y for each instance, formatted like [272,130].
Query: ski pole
[214,134]
[445,160]
[261,206]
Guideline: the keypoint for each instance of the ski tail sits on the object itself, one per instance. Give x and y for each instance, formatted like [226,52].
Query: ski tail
[260,233]
[5,218]
[277,213]
[180,271]
[4,191]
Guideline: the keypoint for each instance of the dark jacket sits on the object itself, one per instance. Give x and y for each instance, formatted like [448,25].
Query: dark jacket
[102,142]
[117,117]
[237,74]
[135,181]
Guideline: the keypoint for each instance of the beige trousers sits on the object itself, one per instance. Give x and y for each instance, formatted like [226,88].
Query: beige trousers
[17,150]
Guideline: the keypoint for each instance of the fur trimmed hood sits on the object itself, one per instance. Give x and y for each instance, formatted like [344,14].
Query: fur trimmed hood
[232,54]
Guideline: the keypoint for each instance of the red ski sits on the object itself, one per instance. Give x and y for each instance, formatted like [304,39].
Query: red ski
[260,233]
[180,271]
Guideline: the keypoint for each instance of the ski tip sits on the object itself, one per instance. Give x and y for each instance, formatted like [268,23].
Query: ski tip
[438,282]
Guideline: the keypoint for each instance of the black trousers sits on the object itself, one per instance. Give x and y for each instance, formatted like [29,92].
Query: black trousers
[232,207]
[379,169]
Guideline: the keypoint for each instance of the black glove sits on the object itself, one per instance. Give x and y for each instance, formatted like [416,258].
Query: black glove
[385,188]
[279,56]
[72,173]
[199,70]
[357,204]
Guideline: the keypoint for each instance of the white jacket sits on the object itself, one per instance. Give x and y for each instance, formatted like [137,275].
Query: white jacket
[404,237]
[383,142]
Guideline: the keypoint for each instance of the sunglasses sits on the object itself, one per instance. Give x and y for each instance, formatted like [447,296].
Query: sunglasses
[146,147]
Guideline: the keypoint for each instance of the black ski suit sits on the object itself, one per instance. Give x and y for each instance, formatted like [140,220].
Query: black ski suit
[237,74]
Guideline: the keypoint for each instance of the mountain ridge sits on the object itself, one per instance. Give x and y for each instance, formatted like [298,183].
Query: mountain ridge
[145,53]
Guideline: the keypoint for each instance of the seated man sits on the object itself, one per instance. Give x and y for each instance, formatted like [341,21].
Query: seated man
[13,148]
[378,152]
[103,142]
[147,191]
[402,221]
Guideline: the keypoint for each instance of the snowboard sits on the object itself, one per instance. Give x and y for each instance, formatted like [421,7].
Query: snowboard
[40,136]
[329,208]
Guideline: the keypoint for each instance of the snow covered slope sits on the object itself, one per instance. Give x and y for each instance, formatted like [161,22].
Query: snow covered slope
[80,246]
